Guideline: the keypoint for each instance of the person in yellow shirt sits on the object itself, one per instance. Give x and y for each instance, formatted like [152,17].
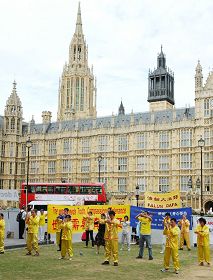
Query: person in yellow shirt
[2,233]
[172,236]
[58,232]
[111,239]
[166,221]
[89,226]
[184,232]
[145,234]
[203,245]
[66,238]
[32,222]
[42,218]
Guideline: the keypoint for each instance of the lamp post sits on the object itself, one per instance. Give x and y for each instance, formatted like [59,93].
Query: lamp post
[201,144]
[28,145]
[99,167]
[189,194]
[137,193]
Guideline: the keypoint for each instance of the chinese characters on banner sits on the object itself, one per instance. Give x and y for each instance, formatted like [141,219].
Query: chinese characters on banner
[159,214]
[77,213]
[163,200]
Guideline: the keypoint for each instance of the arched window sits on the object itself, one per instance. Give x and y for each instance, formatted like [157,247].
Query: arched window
[12,124]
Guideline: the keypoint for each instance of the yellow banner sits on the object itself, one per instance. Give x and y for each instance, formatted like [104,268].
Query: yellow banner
[163,200]
[77,213]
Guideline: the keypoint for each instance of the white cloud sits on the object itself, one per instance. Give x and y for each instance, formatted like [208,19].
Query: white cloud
[124,38]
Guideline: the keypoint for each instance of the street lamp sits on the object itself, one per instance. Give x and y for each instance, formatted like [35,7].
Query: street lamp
[99,167]
[201,144]
[137,193]
[28,145]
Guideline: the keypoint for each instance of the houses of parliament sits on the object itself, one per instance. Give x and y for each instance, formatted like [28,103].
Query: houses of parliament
[156,150]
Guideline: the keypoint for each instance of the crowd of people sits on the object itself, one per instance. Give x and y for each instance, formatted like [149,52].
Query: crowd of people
[176,234]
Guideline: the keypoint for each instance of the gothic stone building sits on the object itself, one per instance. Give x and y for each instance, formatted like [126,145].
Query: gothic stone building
[155,150]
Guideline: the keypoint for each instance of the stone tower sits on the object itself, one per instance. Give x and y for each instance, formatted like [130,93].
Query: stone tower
[13,114]
[77,87]
[198,77]
[161,86]
[121,109]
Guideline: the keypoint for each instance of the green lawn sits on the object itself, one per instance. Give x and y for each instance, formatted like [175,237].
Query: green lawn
[14,265]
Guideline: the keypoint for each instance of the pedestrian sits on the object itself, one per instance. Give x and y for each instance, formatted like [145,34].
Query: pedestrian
[203,245]
[166,221]
[32,233]
[111,239]
[2,233]
[145,234]
[172,235]
[66,238]
[125,235]
[184,224]
[42,218]
[21,220]
[58,232]
[99,239]
[65,212]
[89,226]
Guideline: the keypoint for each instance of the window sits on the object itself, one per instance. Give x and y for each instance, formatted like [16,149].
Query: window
[141,163]
[185,161]
[141,141]
[122,143]
[85,145]
[103,165]
[208,136]
[206,107]
[184,183]
[52,148]
[163,184]
[122,184]
[207,183]
[85,165]
[73,189]
[12,124]
[60,190]
[122,164]
[1,184]
[67,146]
[103,143]
[51,167]
[141,183]
[186,138]
[41,189]
[23,150]
[50,189]
[11,168]
[11,149]
[208,160]
[3,149]
[66,165]
[22,168]
[163,163]
[163,140]
[2,168]
[34,167]
[34,149]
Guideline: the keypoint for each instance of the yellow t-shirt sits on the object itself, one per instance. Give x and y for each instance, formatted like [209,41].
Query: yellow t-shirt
[111,230]
[42,220]
[172,237]
[166,221]
[203,237]
[89,222]
[185,224]
[33,224]
[2,226]
[145,225]
[66,230]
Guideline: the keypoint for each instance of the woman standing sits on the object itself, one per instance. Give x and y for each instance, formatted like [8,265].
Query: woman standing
[99,239]
[89,226]
[2,230]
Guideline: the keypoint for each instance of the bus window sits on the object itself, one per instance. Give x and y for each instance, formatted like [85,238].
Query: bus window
[85,190]
[30,189]
[50,189]
[96,190]
[40,207]
[73,190]
[41,189]
[60,190]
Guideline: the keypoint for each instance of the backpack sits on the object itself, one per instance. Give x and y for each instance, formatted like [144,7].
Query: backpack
[19,217]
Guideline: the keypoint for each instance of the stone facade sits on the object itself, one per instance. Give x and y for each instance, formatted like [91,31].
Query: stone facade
[156,150]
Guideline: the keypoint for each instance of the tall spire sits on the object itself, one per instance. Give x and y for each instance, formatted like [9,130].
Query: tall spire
[78,28]
[198,77]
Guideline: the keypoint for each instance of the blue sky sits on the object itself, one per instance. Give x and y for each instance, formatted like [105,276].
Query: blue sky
[124,38]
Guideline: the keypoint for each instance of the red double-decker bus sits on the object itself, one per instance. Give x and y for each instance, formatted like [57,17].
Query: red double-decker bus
[74,194]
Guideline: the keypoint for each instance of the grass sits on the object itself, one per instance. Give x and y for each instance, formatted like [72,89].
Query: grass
[14,265]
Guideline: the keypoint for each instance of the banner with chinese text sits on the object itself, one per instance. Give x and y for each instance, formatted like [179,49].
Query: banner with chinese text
[77,213]
[159,214]
[163,200]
